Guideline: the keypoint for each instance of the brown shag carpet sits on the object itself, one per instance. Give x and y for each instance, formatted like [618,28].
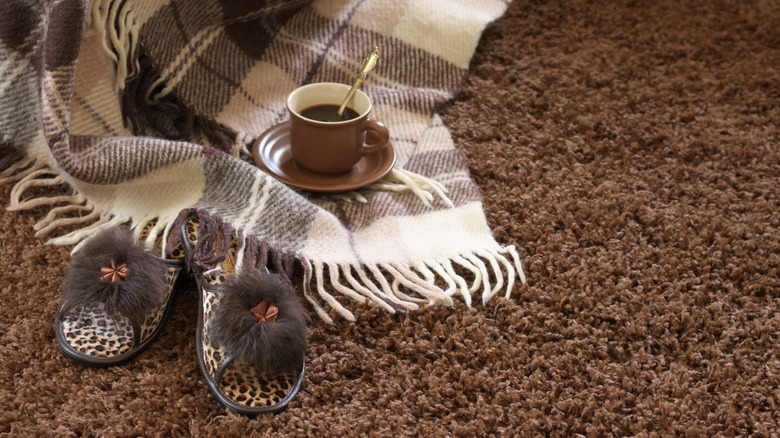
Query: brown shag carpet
[629,149]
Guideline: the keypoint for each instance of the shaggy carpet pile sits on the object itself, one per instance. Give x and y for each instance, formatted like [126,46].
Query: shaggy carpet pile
[630,150]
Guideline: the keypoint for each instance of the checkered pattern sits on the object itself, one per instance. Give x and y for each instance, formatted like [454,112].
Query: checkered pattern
[147,111]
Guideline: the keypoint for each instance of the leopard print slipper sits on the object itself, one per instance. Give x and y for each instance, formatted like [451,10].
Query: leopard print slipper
[117,297]
[245,381]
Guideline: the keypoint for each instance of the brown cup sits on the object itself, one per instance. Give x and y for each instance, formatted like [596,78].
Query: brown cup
[332,147]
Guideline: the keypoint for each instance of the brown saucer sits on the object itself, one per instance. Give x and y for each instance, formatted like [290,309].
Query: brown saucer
[272,153]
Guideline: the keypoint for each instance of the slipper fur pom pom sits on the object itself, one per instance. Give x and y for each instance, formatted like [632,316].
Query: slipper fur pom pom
[114,269]
[275,345]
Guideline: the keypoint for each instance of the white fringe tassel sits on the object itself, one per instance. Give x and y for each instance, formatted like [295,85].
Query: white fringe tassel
[19,170]
[411,287]
[73,210]
[115,24]
[307,275]
[399,180]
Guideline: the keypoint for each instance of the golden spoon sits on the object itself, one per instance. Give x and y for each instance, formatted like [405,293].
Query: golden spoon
[368,64]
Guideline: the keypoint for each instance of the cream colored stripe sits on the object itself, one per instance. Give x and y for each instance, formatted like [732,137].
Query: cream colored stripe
[21,65]
[185,59]
[253,191]
[252,212]
[256,206]
[56,106]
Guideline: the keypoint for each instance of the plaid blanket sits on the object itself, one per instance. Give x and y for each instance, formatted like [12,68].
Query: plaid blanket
[145,111]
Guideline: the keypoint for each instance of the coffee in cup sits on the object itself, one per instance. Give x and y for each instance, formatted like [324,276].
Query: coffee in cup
[328,113]
[321,141]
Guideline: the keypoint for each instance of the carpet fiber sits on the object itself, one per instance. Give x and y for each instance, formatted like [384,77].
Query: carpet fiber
[629,150]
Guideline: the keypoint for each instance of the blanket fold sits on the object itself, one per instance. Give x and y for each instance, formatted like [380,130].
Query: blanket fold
[133,112]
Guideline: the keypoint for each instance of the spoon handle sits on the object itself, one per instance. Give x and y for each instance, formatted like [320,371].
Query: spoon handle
[368,64]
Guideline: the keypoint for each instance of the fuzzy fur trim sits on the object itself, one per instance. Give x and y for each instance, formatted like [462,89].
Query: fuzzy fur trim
[273,347]
[135,297]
